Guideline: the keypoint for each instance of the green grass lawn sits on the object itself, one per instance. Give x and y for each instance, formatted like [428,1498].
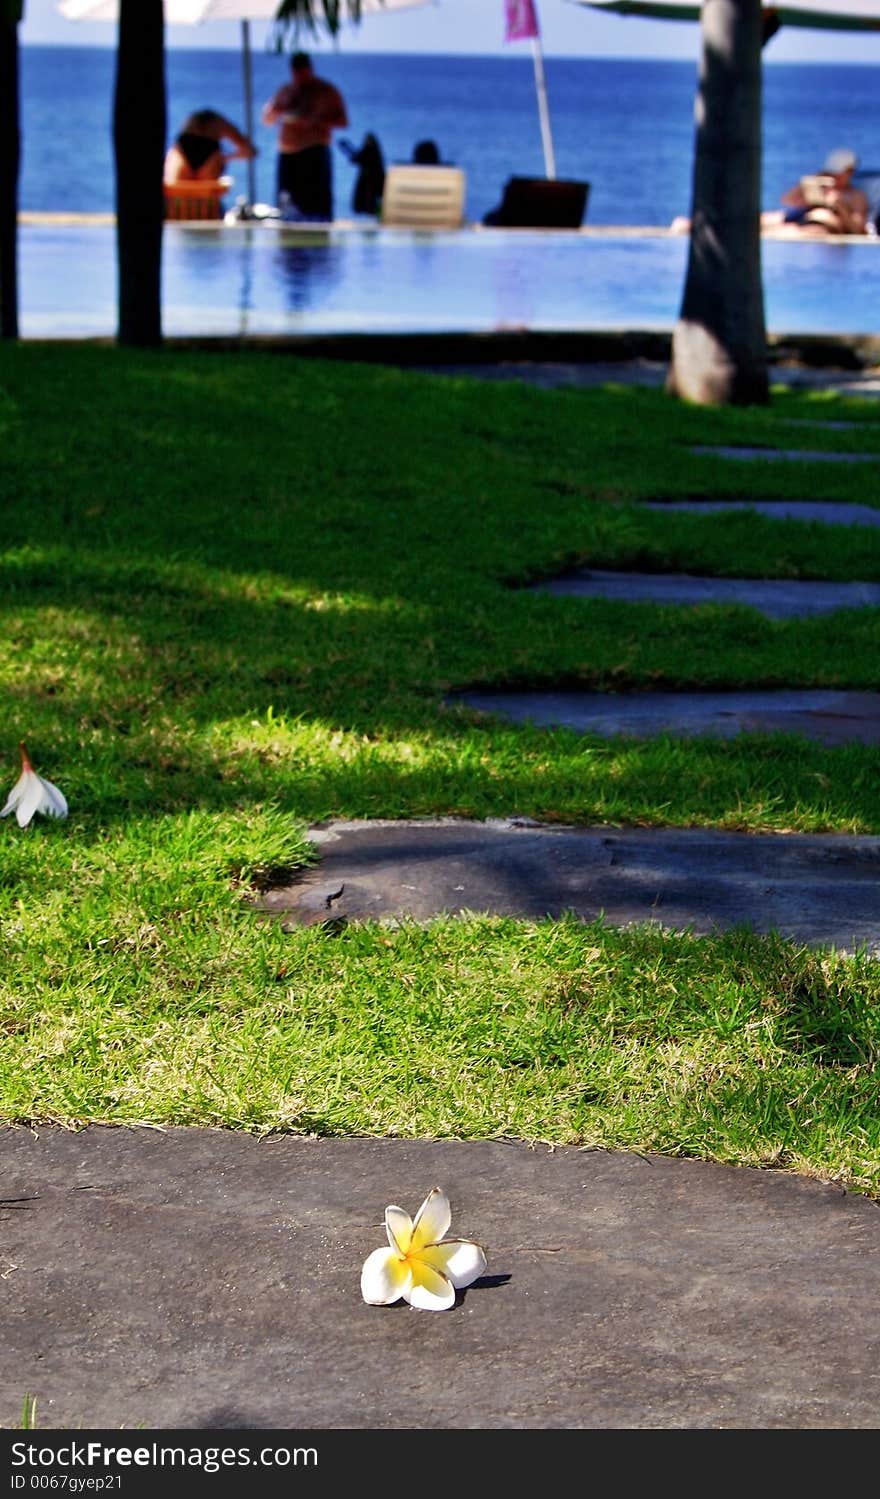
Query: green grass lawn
[236,590]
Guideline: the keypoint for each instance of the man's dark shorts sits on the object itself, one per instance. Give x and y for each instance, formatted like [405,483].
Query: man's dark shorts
[307,178]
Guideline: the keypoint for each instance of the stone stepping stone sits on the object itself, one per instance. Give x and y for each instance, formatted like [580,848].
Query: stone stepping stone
[623,1290]
[826,512]
[813,888]
[779,598]
[777,455]
[828,717]
[824,426]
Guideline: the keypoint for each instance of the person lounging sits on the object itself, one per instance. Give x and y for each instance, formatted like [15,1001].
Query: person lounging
[825,203]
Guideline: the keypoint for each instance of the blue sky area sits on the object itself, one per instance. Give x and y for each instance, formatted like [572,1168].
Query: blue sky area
[477,27]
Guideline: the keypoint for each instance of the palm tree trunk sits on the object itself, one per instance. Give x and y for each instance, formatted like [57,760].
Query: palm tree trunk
[719,344]
[139,126]
[10,154]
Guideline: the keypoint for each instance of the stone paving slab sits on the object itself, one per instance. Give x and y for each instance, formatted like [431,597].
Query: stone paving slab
[784,455]
[779,598]
[823,424]
[643,370]
[194,1278]
[814,424]
[828,717]
[819,889]
[826,512]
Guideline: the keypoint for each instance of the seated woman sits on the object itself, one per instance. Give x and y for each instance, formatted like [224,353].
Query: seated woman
[197,154]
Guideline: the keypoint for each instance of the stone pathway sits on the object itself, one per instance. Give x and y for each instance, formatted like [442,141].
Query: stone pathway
[818,424]
[782,455]
[778,598]
[195,1278]
[820,889]
[823,512]
[561,374]
[828,717]
[190,1278]
[831,718]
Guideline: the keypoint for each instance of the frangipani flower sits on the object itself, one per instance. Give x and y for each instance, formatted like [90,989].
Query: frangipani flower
[31,793]
[416,1265]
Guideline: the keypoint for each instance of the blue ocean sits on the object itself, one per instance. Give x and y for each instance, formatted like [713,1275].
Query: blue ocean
[623,125]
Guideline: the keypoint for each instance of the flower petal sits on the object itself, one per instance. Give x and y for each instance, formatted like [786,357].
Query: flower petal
[458,1259]
[14,797]
[384,1278]
[31,798]
[432,1220]
[54,801]
[430,1291]
[398,1227]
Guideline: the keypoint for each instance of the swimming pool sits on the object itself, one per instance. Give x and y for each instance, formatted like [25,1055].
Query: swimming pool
[261,279]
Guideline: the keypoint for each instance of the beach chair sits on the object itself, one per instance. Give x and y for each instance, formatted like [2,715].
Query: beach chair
[423,197]
[540,203]
[196,200]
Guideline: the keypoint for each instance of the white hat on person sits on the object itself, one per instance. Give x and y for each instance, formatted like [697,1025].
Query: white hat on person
[841,160]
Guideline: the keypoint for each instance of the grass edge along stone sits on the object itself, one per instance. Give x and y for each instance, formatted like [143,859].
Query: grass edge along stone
[209,648]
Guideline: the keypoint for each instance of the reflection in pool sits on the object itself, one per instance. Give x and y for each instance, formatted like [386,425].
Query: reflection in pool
[259,279]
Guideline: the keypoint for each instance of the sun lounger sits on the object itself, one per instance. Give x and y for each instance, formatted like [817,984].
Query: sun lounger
[196,200]
[540,203]
[423,197]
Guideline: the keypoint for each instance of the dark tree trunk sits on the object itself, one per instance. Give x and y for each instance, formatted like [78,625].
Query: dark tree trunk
[719,345]
[139,125]
[10,154]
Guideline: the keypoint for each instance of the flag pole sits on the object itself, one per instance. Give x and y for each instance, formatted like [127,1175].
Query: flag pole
[543,109]
[521,24]
[247,80]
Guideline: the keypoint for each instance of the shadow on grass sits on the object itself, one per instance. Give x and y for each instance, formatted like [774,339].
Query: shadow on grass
[201,613]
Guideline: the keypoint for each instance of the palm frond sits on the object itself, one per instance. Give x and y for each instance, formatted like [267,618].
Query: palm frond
[295,17]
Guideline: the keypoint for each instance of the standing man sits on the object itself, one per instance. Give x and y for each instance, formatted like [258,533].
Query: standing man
[308,110]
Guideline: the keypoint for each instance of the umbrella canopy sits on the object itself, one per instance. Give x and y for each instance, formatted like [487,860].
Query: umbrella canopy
[823,15]
[191,12]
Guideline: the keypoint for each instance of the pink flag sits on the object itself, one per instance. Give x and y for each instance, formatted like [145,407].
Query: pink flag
[522,21]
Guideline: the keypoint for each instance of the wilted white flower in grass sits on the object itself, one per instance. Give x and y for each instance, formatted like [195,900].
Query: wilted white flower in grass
[32,793]
[416,1265]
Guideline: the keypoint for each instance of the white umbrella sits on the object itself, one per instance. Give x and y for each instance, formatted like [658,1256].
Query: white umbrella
[192,12]
[823,15]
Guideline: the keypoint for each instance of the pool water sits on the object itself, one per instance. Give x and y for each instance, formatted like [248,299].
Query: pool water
[261,279]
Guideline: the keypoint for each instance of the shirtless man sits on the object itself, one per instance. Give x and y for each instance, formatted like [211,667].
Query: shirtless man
[308,110]
[844,209]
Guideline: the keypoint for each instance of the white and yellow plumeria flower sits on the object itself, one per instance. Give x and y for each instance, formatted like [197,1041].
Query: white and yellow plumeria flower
[32,793]
[416,1265]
